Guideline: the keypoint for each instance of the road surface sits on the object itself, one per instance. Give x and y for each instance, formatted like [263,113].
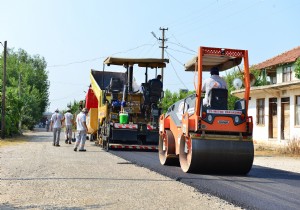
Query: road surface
[263,188]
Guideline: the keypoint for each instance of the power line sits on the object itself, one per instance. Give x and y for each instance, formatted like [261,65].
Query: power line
[181,51]
[69,96]
[75,62]
[174,58]
[175,70]
[195,21]
[126,51]
[181,45]
[191,15]
[98,58]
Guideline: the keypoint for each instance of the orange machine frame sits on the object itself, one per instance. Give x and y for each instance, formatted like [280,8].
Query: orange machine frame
[191,123]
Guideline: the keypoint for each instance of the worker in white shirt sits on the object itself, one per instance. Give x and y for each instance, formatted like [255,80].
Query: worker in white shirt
[69,126]
[55,126]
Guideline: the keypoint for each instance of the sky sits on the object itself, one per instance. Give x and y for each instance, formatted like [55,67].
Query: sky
[75,36]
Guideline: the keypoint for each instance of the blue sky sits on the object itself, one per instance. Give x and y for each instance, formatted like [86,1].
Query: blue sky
[75,36]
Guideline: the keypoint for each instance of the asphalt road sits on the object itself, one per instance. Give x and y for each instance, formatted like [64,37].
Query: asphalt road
[262,188]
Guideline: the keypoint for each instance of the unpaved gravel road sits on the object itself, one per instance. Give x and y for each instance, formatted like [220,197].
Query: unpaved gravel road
[36,175]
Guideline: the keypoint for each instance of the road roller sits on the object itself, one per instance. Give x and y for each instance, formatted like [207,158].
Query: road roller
[209,138]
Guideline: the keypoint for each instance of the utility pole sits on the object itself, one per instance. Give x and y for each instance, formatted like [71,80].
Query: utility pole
[20,121]
[3,92]
[163,50]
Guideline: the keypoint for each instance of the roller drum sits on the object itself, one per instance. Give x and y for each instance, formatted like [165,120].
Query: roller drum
[217,156]
[166,149]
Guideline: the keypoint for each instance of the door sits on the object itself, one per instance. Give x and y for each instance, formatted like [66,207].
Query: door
[285,118]
[273,119]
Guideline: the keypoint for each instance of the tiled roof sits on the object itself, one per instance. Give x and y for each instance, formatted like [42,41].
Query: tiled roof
[286,57]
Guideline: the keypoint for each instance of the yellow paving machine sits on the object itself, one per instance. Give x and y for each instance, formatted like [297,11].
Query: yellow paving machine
[120,115]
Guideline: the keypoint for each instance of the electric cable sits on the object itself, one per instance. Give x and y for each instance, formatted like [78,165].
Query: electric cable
[174,68]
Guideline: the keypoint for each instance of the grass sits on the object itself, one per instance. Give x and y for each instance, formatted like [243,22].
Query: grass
[291,149]
[13,140]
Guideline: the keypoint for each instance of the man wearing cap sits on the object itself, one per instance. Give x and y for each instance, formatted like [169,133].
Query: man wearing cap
[55,126]
[69,124]
[215,81]
[81,130]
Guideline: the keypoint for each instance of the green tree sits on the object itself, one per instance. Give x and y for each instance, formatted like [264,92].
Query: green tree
[230,76]
[297,69]
[74,106]
[170,98]
[27,90]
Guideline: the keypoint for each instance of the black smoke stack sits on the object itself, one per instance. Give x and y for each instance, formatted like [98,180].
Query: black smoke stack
[130,78]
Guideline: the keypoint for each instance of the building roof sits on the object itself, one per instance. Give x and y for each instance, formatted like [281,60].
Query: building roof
[286,57]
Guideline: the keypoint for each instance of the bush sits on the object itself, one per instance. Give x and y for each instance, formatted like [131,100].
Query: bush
[292,147]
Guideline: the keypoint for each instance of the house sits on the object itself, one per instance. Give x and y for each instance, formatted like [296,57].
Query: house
[275,107]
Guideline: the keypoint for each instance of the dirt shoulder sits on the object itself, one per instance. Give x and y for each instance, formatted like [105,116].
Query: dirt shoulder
[276,156]
[36,175]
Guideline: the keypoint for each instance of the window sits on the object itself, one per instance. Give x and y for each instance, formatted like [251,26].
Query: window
[260,111]
[287,74]
[297,110]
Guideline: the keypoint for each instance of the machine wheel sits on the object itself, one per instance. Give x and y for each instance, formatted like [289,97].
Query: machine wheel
[105,135]
[107,145]
[185,153]
[92,137]
[215,156]
[166,149]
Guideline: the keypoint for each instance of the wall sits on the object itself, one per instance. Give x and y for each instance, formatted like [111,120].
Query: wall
[261,132]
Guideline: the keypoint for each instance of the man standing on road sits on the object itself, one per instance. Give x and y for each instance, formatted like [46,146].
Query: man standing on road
[55,126]
[69,124]
[81,130]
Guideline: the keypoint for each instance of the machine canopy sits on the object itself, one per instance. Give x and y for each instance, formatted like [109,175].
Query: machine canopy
[209,61]
[142,62]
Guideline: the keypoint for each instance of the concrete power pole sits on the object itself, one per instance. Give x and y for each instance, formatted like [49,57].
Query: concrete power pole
[163,50]
[20,121]
[3,92]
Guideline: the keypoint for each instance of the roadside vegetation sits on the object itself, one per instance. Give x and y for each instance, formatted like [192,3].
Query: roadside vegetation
[291,149]
[14,140]
[27,90]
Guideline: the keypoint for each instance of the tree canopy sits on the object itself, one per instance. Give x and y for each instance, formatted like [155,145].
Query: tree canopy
[27,88]
[297,69]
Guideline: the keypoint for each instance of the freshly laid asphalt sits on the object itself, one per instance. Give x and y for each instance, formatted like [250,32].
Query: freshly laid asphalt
[262,188]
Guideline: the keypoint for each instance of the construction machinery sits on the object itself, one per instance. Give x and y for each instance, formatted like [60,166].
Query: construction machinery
[209,138]
[125,116]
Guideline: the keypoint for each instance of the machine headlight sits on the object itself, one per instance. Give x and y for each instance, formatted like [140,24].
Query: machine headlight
[209,118]
[236,119]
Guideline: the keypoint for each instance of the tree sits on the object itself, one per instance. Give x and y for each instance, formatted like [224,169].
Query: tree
[297,69]
[27,90]
[230,76]
[74,107]
[171,98]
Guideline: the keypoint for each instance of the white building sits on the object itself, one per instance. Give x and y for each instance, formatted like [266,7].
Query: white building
[275,107]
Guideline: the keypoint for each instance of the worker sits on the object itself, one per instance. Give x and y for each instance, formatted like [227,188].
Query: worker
[47,125]
[55,126]
[156,81]
[215,81]
[81,130]
[69,125]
